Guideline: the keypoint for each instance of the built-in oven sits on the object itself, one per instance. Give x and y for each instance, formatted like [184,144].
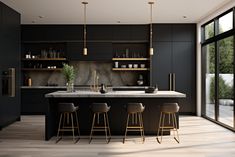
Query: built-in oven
[9,82]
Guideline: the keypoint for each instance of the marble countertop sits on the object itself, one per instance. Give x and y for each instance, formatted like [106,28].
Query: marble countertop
[115,94]
[81,87]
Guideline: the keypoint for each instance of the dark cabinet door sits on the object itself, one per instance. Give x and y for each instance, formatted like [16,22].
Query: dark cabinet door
[96,51]
[162,32]
[121,32]
[99,32]
[184,32]
[139,32]
[183,56]
[162,64]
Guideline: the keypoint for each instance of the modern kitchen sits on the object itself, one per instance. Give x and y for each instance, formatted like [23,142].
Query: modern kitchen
[117,78]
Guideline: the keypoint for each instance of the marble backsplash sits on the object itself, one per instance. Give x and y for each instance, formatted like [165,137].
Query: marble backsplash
[85,75]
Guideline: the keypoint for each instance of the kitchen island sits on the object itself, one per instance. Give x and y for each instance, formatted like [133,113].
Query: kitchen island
[117,115]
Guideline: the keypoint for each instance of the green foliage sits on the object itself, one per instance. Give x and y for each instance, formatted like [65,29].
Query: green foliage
[69,73]
[225,91]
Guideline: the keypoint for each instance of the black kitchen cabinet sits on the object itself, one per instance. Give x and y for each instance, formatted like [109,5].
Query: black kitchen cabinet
[33,101]
[97,51]
[162,64]
[51,32]
[162,32]
[183,32]
[99,32]
[175,54]
[9,58]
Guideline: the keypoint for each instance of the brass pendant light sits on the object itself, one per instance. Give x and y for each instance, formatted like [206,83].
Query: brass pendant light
[84,30]
[151,29]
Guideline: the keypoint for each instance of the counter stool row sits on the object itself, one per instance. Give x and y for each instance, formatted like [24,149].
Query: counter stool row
[68,111]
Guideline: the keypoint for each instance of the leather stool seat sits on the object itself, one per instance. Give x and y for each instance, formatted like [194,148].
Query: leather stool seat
[100,107]
[67,107]
[135,108]
[170,107]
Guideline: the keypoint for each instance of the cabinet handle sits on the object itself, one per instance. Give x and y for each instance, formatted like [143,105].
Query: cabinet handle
[173,81]
[170,81]
[11,83]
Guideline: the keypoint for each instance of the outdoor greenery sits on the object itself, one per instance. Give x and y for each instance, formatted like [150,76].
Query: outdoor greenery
[225,65]
[69,73]
[225,91]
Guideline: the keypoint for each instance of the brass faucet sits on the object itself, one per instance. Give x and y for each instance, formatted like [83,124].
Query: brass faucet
[95,85]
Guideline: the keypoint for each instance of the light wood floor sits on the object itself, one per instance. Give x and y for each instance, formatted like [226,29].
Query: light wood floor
[199,138]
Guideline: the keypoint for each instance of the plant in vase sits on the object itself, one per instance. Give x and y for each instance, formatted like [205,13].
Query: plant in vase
[69,75]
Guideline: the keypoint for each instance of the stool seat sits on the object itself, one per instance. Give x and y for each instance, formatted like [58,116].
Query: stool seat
[135,107]
[170,107]
[67,107]
[100,107]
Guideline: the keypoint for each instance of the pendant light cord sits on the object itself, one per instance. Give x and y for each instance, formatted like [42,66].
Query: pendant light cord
[84,24]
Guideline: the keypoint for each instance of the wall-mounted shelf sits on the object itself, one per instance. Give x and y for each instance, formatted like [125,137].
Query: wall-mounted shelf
[130,59]
[44,59]
[130,69]
[40,69]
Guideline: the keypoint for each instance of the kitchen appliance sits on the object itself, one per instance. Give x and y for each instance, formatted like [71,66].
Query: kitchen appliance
[8,82]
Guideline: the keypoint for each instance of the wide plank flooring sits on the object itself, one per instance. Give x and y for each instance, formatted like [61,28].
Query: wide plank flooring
[198,138]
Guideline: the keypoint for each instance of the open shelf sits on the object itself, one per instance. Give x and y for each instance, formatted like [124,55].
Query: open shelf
[130,69]
[44,59]
[40,69]
[130,59]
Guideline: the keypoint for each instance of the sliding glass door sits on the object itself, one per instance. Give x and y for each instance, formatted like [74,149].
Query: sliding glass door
[209,51]
[226,79]
[218,69]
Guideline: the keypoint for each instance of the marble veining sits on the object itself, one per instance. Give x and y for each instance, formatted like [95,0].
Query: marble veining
[85,74]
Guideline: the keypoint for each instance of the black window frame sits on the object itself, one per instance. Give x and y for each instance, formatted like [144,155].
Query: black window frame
[215,39]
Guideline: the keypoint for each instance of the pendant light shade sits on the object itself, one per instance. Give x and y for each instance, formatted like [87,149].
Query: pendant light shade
[84,30]
[151,29]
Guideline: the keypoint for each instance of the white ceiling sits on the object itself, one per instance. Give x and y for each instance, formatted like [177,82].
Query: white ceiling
[111,11]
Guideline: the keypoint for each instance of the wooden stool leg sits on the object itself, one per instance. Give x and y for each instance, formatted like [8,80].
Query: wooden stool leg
[105,128]
[58,132]
[178,140]
[93,123]
[77,124]
[159,127]
[142,121]
[107,118]
[127,122]
[71,116]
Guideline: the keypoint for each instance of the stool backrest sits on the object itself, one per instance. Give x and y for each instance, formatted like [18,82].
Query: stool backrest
[135,107]
[66,107]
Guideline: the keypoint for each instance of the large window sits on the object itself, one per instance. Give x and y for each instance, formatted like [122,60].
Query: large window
[218,69]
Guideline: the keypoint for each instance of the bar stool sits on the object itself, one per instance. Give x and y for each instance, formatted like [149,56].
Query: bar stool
[97,109]
[169,109]
[67,112]
[135,110]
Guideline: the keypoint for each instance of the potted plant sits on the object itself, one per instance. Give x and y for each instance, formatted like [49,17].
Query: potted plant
[69,75]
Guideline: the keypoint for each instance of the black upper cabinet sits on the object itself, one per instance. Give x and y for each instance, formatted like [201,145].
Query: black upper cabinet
[99,32]
[51,32]
[183,32]
[139,32]
[121,32]
[96,51]
[162,32]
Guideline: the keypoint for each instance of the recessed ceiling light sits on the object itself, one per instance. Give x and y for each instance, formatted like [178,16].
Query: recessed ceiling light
[184,17]
[40,16]
[33,21]
[118,21]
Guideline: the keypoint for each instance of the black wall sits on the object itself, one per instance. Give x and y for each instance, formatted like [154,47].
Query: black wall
[174,49]
[9,58]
